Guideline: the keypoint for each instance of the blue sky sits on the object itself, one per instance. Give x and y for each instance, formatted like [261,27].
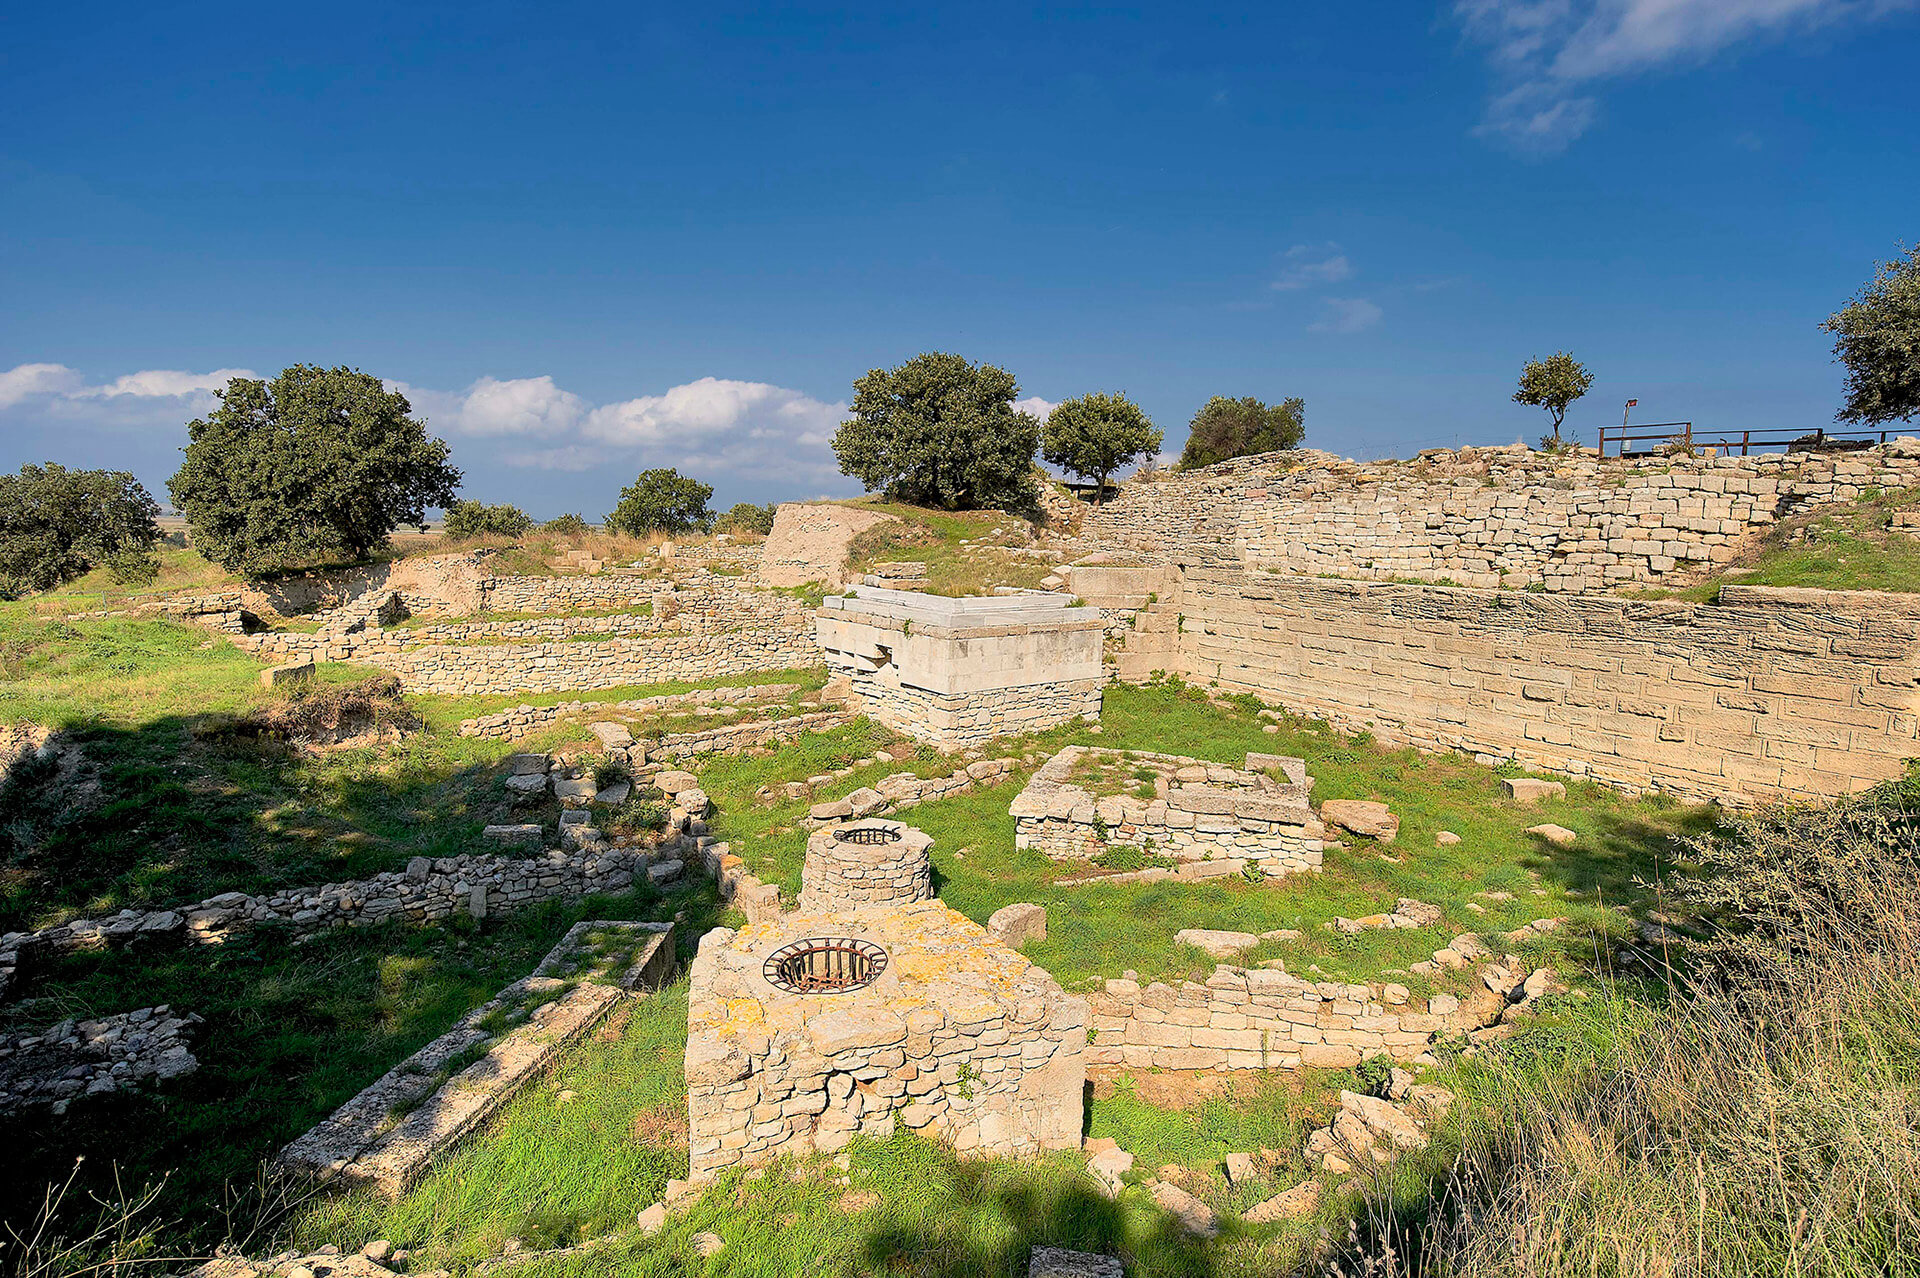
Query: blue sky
[591,239]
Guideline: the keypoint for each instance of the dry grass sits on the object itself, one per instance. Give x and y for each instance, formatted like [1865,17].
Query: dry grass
[1765,1121]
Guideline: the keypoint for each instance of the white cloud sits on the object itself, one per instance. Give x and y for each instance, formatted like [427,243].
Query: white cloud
[1040,408]
[1345,315]
[1306,265]
[25,381]
[1546,52]
[154,396]
[163,383]
[520,406]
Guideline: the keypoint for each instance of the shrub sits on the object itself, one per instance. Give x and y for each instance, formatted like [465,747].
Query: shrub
[467,519]
[638,816]
[567,526]
[1227,428]
[749,519]
[57,524]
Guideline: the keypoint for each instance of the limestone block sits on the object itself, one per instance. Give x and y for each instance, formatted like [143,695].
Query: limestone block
[1528,791]
[287,675]
[1015,925]
[1362,817]
[525,835]
[1058,1262]
[1219,944]
[1558,835]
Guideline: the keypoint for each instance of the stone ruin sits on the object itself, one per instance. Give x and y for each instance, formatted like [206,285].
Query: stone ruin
[865,863]
[870,1008]
[1191,810]
[958,672]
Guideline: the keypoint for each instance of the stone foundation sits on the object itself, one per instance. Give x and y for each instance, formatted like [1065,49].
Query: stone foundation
[959,672]
[1201,812]
[959,1038]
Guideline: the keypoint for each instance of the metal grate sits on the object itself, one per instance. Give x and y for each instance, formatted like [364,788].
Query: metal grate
[825,965]
[868,834]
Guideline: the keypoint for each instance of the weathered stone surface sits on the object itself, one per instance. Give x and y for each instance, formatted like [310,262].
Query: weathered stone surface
[1558,835]
[1302,1200]
[288,675]
[526,835]
[1530,790]
[612,736]
[1219,944]
[1362,817]
[1058,1262]
[74,1059]
[1017,924]
[1189,1212]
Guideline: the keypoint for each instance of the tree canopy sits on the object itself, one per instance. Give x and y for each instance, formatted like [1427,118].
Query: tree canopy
[57,524]
[316,463]
[1553,383]
[477,519]
[1227,428]
[940,431]
[662,500]
[1095,435]
[1877,337]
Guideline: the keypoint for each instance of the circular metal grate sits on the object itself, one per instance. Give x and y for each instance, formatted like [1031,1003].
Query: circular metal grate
[868,834]
[825,965]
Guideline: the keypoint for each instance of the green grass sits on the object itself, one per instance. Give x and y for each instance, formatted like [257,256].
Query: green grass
[1851,551]
[934,537]
[1620,840]
[293,1031]
[555,1173]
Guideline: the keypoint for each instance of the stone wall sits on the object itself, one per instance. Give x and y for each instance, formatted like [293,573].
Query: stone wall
[960,1039]
[428,890]
[487,669]
[73,1059]
[570,594]
[1767,693]
[1201,811]
[1259,1018]
[510,725]
[1489,516]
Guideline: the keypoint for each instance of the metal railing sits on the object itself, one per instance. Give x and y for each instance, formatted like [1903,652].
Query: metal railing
[1659,437]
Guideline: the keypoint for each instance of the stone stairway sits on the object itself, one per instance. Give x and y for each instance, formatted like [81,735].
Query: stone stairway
[1153,643]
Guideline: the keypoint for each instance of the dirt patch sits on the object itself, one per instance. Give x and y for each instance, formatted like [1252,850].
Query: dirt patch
[1168,1089]
[810,541]
[360,713]
[662,1127]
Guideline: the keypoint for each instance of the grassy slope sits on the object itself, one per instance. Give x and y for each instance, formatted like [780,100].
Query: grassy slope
[934,537]
[1621,839]
[1855,550]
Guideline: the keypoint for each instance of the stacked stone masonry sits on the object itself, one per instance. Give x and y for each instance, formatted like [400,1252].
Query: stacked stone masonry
[1259,1018]
[959,1039]
[1490,516]
[1767,693]
[429,890]
[1202,811]
[73,1059]
[521,721]
[959,672]
[865,863]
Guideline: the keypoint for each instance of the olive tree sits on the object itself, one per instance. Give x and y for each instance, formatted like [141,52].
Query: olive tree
[940,431]
[1095,435]
[57,524]
[1877,337]
[1227,428]
[662,500]
[318,462]
[1553,383]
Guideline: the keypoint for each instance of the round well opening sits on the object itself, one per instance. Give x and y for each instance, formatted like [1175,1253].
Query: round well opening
[825,965]
[868,834]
